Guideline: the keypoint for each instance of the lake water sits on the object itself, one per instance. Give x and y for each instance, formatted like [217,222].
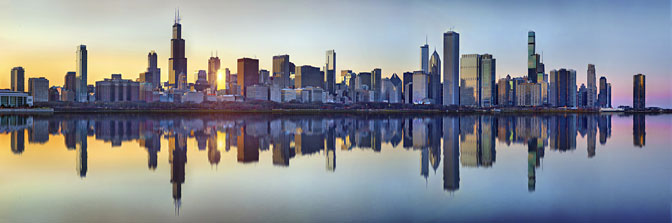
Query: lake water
[261,168]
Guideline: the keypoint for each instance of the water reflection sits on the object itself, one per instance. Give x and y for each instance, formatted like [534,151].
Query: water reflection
[469,141]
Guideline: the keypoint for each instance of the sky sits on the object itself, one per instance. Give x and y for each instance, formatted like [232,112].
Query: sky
[622,38]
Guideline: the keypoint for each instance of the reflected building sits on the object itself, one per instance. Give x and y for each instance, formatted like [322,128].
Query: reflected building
[451,154]
[17,141]
[248,147]
[639,130]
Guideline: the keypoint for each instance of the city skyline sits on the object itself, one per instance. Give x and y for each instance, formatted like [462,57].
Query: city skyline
[616,58]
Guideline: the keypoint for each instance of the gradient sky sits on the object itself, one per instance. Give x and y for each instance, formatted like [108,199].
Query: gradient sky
[621,38]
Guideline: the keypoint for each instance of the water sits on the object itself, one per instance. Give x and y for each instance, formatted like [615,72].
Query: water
[260,168]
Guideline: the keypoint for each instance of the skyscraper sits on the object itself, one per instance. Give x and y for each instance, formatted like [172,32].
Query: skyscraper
[308,76]
[532,58]
[424,58]
[488,75]
[435,79]
[248,73]
[602,97]
[177,63]
[213,68]
[470,72]
[451,75]
[39,89]
[281,70]
[376,82]
[153,73]
[70,81]
[81,85]
[18,79]
[639,92]
[563,88]
[330,71]
[591,89]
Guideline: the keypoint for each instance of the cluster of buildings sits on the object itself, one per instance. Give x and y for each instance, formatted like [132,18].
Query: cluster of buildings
[469,80]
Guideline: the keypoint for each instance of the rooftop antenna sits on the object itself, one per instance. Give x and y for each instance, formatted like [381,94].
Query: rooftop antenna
[216,53]
[425,39]
[177,20]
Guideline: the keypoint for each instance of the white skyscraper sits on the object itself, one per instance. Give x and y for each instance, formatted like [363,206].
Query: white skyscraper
[451,63]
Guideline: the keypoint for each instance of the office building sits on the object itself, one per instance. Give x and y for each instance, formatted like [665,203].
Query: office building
[264,77]
[201,82]
[470,73]
[505,92]
[81,91]
[248,73]
[424,58]
[18,79]
[54,93]
[308,76]
[591,88]
[528,94]
[582,97]
[116,89]
[213,70]
[330,72]
[435,94]
[487,81]
[39,89]
[70,81]
[9,98]
[451,75]
[281,71]
[563,88]
[376,79]
[639,92]
[177,63]
[603,97]
[532,58]
[420,87]
[363,81]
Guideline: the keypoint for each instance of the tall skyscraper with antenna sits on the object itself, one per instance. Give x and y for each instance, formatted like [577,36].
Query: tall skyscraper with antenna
[177,64]
[213,68]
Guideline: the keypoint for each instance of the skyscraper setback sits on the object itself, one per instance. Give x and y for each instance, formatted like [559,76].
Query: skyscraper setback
[177,64]
[451,63]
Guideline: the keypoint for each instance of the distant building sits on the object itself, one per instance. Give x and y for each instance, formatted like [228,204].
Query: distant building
[488,94]
[363,81]
[39,89]
[116,89]
[248,73]
[470,72]
[10,98]
[213,69]
[264,77]
[81,94]
[532,58]
[281,71]
[257,92]
[201,82]
[420,87]
[582,97]
[591,88]
[603,100]
[504,92]
[435,87]
[451,74]
[376,85]
[308,76]
[391,93]
[407,94]
[528,94]
[563,88]
[153,73]
[177,63]
[18,79]
[54,93]
[639,92]
[424,58]
[330,72]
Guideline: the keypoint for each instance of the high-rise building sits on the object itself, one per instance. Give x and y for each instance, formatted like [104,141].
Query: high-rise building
[582,97]
[177,63]
[201,82]
[281,71]
[420,87]
[488,74]
[602,97]
[70,81]
[18,79]
[532,58]
[264,77]
[504,91]
[424,58]
[153,73]
[470,72]
[563,88]
[330,71]
[435,93]
[591,89]
[639,92]
[248,73]
[115,89]
[609,95]
[213,69]
[39,89]
[308,76]
[376,82]
[451,75]
[81,85]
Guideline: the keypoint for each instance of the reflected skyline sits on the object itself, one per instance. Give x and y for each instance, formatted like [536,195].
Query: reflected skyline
[462,143]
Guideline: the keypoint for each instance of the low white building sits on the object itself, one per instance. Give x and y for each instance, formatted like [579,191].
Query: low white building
[15,99]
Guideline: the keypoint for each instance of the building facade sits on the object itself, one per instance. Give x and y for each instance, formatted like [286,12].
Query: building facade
[248,73]
[308,76]
[213,70]
[639,92]
[39,89]
[81,85]
[451,75]
[18,79]
[116,89]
